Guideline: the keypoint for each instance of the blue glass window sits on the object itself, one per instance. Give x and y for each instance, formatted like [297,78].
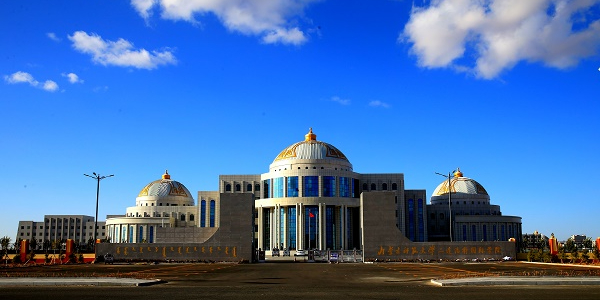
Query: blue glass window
[420,220]
[464,233]
[266,229]
[485,232]
[502,235]
[328,186]
[411,219]
[281,227]
[141,235]
[151,232]
[344,187]
[278,187]
[266,190]
[203,213]
[292,186]
[473,233]
[311,217]
[330,227]
[495,232]
[212,213]
[311,186]
[131,231]
[291,223]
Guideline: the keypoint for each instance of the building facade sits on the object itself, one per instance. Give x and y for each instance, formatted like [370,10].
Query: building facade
[79,228]
[310,199]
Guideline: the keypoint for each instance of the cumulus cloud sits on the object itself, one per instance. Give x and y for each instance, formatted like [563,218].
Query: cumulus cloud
[340,100]
[52,36]
[377,103]
[119,53]
[24,77]
[73,78]
[488,37]
[268,19]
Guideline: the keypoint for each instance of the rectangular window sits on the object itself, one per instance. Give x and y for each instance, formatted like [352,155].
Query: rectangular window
[291,227]
[266,190]
[311,186]
[278,187]
[328,186]
[292,186]
[344,187]
[411,220]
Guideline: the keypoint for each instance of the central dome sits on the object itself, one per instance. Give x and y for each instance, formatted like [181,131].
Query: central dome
[310,148]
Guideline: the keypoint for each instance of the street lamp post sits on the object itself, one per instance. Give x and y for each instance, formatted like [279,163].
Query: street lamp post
[98,178]
[449,199]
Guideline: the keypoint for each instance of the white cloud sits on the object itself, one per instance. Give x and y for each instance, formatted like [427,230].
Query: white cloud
[52,36]
[50,86]
[377,103]
[73,78]
[272,20]
[24,77]
[119,53]
[340,100]
[487,37]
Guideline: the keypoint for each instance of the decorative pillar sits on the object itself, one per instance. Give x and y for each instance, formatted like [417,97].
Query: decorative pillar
[260,228]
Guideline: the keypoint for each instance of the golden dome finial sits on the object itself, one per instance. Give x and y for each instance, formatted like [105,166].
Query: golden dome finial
[310,136]
[458,173]
[166,175]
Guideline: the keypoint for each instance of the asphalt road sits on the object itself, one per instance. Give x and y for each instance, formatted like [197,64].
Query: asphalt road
[302,281]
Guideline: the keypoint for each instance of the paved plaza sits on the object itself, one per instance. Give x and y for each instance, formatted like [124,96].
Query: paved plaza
[289,280]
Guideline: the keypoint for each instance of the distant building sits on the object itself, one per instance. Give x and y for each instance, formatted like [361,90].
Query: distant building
[534,240]
[474,218]
[79,228]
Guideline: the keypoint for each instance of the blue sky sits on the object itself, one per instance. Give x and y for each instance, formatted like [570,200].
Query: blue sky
[505,90]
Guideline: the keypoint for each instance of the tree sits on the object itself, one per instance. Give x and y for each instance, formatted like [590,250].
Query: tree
[5,243]
[561,254]
[587,243]
[570,246]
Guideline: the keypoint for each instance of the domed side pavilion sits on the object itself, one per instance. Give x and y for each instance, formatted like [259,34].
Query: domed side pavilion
[161,203]
[472,215]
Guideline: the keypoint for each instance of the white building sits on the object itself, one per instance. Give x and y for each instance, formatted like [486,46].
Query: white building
[79,228]
[161,203]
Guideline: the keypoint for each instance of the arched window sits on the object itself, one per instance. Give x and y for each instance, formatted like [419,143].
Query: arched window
[365,187]
[228,187]
[257,187]
[212,213]
[141,236]
[394,186]
[192,217]
[238,187]
[203,213]
[249,188]
[441,216]
[384,186]
[151,234]
[182,217]
[373,187]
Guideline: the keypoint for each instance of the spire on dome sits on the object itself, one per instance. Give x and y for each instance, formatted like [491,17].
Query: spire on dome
[458,173]
[310,136]
[166,175]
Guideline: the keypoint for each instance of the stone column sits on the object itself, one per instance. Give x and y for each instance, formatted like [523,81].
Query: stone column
[260,228]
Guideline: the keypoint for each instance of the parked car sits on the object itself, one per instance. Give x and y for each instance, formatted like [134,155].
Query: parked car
[300,252]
